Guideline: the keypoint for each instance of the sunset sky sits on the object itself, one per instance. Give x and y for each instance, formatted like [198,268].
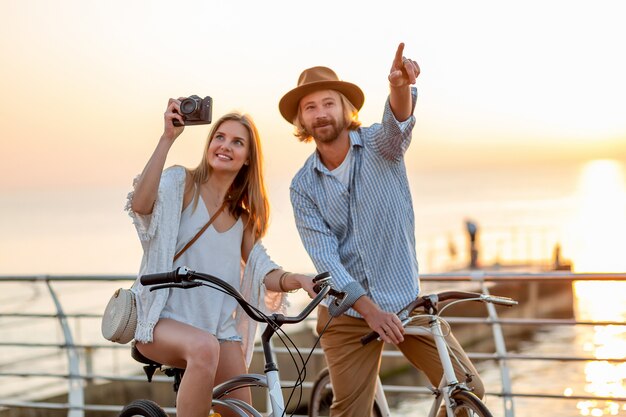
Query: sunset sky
[85,83]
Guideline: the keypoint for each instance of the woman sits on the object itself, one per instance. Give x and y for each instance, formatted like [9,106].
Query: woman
[200,329]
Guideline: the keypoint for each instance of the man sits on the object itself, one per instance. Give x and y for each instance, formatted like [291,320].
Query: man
[354,213]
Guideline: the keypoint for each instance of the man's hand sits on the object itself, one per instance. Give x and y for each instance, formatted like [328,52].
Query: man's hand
[404,71]
[387,325]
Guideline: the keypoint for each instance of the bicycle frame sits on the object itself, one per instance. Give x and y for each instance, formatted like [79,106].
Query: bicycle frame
[454,393]
[449,381]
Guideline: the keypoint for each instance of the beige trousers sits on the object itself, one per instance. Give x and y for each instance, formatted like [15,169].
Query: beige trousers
[354,367]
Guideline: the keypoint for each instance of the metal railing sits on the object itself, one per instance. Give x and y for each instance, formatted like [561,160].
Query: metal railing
[79,356]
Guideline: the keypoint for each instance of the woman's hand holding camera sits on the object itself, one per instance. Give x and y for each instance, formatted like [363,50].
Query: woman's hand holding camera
[172,113]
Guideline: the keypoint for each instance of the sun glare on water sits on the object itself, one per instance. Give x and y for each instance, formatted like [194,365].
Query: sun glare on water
[600,233]
[600,227]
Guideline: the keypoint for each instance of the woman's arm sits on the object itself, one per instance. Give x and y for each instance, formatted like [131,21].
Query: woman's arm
[148,182]
[283,281]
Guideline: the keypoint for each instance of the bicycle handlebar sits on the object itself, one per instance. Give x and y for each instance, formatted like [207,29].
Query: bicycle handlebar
[176,276]
[434,299]
[183,277]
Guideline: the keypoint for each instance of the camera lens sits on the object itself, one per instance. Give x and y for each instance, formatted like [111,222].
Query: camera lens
[188,106]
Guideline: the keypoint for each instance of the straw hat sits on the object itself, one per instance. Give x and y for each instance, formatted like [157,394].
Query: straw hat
[315,79]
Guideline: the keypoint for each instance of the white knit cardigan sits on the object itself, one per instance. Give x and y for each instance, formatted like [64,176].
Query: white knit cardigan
[158,232]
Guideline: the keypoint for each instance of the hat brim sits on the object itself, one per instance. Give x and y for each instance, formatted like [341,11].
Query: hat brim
[288,105]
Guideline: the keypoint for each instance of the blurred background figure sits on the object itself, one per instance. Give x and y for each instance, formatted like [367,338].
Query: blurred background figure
[472,232]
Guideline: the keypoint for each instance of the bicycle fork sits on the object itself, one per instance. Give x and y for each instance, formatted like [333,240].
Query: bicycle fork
[449,379]
[274,390]
[275,393]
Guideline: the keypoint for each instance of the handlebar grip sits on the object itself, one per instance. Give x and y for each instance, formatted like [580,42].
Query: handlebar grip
[503,301]
[175,276]
[370,337]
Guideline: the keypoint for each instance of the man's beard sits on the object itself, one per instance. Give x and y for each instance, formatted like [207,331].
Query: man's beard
[332,129]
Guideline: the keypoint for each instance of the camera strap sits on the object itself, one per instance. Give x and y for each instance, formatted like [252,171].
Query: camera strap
[206,226]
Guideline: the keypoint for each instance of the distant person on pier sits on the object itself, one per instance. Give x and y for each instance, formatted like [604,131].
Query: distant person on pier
[201,329]
[472,233]
[353,210]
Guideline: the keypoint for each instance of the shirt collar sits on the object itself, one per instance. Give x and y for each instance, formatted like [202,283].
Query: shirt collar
[355,141]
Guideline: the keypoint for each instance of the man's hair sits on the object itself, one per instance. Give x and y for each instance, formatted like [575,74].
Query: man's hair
[350,118]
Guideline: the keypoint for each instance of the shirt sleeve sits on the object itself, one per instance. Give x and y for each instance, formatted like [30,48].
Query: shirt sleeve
[392,138]
[320,243]
[147,224]
[258,266]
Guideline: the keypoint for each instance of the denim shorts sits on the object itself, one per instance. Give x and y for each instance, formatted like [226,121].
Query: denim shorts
[235,338]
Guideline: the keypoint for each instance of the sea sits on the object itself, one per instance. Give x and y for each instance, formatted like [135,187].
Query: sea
[522,214]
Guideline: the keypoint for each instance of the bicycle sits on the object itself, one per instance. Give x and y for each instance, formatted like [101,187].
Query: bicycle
[459,400]
[182,277]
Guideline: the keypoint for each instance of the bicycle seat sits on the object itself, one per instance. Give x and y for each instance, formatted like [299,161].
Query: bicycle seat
[136,355]
[151,367]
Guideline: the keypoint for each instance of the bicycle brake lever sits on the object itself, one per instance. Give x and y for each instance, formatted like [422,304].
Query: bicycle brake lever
[337,294]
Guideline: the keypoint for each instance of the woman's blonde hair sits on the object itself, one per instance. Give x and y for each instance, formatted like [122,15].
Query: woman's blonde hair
[247,192]
[350,119]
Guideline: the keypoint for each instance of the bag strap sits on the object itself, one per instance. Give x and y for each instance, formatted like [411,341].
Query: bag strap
[206,226]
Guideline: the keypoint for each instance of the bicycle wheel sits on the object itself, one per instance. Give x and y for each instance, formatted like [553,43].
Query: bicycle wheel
[322,397]
[143,408]
[467,404]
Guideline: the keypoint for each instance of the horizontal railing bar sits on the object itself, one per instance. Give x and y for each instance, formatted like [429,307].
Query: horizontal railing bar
[30,404]
[65,406]
[400,389]
[38,278]
[51,315]
[513,356]
[63,345]
[450,319]
[476,355]
[556,396]
[388,388]
[131,378]
[522,277]
[128,378]
[531,321]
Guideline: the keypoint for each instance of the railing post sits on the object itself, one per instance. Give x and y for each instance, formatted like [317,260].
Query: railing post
[89,365]
[75,394]
[498,338]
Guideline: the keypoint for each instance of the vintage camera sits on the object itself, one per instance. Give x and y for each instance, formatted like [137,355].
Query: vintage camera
[195,110]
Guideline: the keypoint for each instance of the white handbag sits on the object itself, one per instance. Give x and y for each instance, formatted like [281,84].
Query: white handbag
[119,320]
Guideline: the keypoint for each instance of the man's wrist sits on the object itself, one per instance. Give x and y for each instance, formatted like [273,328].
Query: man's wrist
[365,306]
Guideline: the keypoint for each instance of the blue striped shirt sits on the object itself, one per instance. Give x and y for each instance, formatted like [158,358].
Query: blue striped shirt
[364,232]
